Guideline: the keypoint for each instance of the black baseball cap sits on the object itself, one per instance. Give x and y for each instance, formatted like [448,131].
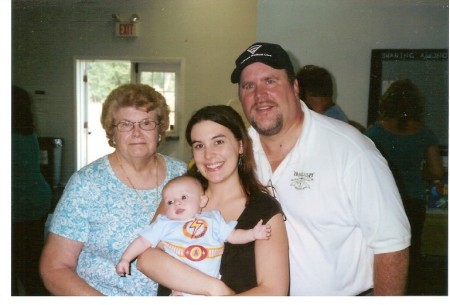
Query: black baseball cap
[267,53]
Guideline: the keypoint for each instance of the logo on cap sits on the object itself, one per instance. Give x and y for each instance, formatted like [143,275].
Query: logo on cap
[270,54]
[254,48]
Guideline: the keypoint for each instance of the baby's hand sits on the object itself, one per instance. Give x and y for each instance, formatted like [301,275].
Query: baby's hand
[123,268]
[261,231]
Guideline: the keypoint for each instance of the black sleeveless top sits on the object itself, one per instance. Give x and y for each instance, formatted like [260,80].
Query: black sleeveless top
[238,268]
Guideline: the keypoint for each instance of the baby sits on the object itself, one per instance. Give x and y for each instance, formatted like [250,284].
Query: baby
[188,234]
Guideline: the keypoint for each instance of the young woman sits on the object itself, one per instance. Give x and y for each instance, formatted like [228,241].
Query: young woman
[223,156]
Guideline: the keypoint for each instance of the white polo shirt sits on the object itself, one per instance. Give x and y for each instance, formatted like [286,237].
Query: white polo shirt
[341,204]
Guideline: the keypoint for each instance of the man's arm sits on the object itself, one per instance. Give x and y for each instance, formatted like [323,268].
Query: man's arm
[391,272]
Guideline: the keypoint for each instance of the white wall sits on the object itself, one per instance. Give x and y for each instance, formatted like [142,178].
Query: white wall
[48,35]
[340,34]
[209,35]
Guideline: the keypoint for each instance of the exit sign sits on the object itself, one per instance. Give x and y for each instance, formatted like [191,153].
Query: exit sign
[126,29]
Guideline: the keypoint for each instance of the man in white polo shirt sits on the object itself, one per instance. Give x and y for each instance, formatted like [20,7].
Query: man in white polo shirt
[348,233]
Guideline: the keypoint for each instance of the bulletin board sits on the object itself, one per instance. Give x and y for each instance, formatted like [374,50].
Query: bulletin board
[427,68]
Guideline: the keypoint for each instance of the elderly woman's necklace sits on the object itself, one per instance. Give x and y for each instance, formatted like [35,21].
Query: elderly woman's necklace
[131,183]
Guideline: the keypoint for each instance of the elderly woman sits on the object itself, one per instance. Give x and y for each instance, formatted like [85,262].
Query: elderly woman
[107,203]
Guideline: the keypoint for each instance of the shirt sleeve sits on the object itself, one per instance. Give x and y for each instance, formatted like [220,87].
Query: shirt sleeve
[432,138]
[154,231]
[70,217]
[377,204]
[222,229]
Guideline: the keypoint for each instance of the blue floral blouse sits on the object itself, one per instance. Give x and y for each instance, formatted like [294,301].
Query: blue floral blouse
[104,214]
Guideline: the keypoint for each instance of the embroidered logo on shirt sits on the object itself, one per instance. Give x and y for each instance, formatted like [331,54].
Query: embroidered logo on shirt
[195,228]
[302,180]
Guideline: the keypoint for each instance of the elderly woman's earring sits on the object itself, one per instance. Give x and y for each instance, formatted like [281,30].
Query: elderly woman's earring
[159,138]
[114,141]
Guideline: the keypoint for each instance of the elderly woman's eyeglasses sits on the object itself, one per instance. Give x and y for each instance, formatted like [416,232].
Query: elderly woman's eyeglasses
[145,124]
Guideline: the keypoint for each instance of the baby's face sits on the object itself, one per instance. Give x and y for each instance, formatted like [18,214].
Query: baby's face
[183,199]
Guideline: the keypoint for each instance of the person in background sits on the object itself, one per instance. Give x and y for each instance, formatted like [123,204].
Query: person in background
[348,232]
[30,198]
[224,163]
[316,90]
[188,234]
[411,150]
[108,202]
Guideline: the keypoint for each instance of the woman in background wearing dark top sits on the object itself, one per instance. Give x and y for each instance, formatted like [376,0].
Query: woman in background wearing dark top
[30,196]
[224,162]
[411,150]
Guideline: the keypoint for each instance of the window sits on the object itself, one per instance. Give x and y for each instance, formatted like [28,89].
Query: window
[162,77]
[96,78]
